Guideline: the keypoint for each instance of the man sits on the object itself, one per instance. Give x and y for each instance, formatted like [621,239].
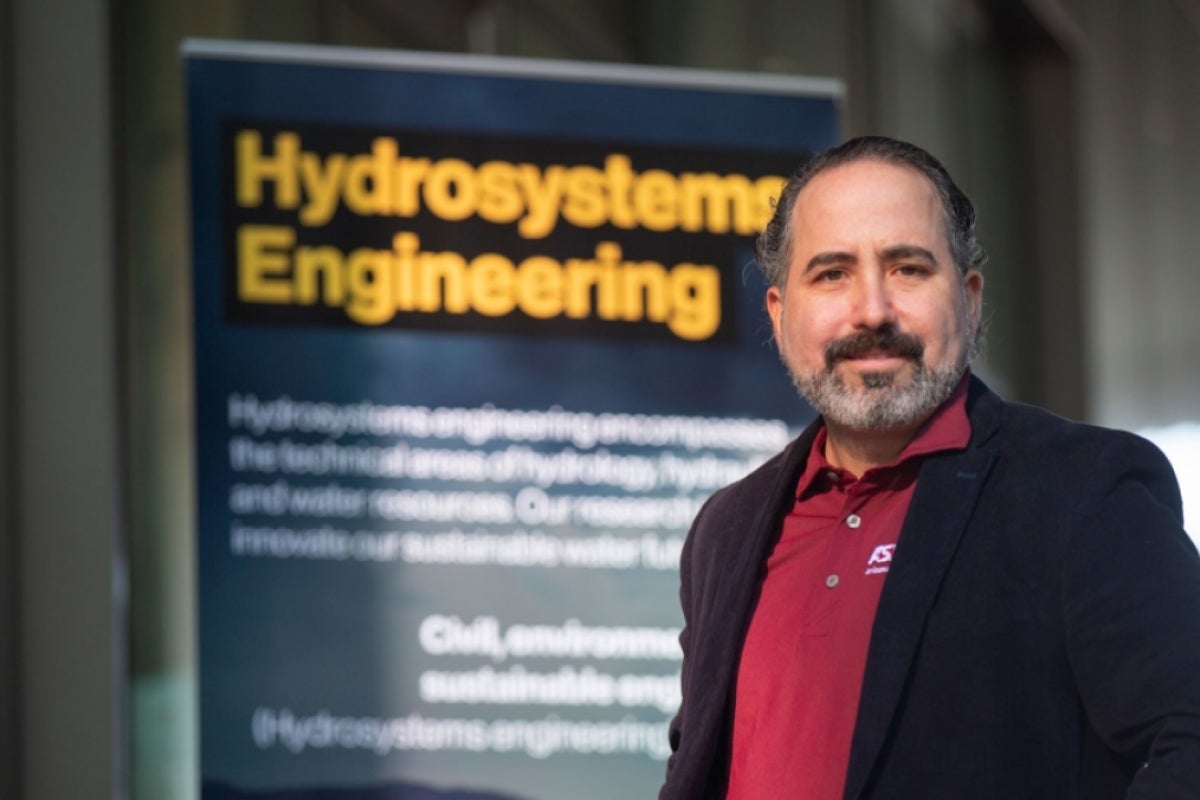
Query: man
[932,593]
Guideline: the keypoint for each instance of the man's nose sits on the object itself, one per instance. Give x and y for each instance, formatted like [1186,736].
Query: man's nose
[874,302]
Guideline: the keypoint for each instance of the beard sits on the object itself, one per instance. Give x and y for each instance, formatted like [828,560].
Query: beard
[884,401]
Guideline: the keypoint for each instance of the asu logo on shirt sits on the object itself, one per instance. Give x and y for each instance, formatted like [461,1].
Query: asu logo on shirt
[880,560]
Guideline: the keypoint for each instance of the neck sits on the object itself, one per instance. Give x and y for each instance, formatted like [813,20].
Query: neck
[858,451]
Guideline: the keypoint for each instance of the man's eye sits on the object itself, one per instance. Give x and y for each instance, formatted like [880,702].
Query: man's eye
[831,275]
[910,270]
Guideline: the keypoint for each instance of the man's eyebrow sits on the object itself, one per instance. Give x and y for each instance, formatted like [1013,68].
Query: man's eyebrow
[907,251]
[899,252]
[829,259]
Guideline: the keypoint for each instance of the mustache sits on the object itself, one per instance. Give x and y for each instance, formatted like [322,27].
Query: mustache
[887,338]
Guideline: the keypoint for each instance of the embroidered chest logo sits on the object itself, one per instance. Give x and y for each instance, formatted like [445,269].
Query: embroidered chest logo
[880,560]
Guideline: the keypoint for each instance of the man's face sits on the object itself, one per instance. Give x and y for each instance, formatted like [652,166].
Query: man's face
[874,321]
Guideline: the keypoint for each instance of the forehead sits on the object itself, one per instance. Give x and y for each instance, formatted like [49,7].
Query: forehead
[868,201]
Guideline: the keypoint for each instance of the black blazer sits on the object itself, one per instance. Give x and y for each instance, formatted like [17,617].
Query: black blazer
[1038,635]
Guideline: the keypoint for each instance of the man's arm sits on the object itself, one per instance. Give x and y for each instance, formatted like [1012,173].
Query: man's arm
[1132,615]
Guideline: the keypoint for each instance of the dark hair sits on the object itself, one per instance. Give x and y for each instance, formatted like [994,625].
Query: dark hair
[774,245]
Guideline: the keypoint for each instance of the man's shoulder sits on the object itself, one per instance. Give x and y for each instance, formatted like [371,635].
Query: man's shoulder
[1039,447]
[1034,432]
[739,516]
[768,472]
[745,496]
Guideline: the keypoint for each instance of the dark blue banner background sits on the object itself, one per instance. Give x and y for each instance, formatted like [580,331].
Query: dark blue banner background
[388,608]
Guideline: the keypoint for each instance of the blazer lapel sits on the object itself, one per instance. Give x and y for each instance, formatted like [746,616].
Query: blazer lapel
[947,490]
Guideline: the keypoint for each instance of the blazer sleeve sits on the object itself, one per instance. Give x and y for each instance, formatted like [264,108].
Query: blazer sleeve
[1132,616]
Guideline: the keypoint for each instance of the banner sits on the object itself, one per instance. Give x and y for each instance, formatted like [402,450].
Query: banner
[474,340]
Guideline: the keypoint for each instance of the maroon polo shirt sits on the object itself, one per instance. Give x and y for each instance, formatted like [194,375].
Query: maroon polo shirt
[802,664]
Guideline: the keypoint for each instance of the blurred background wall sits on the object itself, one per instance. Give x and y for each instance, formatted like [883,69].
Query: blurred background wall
[1074,125]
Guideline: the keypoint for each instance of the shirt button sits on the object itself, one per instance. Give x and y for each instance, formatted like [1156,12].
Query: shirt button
[832,475]
[854,520]
[831,581]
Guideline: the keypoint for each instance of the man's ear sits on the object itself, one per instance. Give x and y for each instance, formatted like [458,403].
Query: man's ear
[775,312]
[973,292]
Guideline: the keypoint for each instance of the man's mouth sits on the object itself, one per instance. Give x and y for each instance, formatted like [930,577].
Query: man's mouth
[875,355]
[879,346]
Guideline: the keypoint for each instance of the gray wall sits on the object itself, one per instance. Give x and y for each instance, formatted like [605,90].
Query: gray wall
[60,543]
[9,720]
[1141,178]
